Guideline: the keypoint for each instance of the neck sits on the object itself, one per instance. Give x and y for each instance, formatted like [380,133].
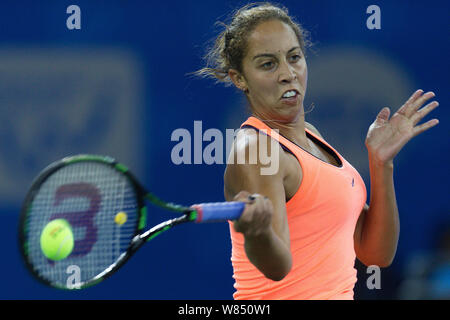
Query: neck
[293,130]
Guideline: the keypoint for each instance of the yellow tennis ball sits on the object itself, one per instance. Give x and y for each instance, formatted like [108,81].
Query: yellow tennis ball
[120,218]
[57,239]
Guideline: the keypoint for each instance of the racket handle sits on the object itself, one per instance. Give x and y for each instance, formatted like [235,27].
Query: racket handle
[218,211]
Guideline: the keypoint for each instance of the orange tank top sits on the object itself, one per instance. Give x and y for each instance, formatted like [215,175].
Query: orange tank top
[322,216]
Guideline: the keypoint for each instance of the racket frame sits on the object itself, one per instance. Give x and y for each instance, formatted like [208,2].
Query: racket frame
[188,214]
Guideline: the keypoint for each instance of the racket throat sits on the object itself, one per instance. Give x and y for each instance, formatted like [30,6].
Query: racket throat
[158,229]
[136,243]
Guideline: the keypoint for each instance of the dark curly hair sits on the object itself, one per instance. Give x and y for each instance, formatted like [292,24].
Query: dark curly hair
[230,47]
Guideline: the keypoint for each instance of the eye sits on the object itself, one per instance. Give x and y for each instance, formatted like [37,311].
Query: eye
[295,57]
[267,65]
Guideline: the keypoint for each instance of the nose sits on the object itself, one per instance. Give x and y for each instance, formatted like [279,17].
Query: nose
[287,73]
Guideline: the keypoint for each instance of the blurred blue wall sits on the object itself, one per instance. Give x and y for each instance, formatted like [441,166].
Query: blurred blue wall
[119,86]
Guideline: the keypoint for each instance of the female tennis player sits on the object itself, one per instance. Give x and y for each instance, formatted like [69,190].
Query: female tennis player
[305,224]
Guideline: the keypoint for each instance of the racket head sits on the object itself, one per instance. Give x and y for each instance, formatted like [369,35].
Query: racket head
[88,191]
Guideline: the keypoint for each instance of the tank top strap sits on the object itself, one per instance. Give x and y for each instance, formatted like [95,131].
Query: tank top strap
[264,128]
[291,147]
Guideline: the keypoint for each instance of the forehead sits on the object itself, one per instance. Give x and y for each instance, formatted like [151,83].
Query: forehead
[271,36]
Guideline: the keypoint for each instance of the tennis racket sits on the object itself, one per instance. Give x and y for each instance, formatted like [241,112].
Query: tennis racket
[89,191]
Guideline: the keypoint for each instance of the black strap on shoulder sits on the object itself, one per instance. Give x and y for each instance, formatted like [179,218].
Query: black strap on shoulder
[245,126]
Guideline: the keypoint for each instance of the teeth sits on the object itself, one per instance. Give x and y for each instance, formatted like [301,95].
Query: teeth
[289,94]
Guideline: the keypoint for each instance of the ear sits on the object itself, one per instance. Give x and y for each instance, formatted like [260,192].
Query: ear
[238,79]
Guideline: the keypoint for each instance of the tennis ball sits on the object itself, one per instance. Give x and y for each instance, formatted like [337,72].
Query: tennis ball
[120,218]
[57,239]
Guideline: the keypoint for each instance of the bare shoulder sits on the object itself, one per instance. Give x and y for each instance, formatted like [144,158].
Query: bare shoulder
[313,129]
[250,168]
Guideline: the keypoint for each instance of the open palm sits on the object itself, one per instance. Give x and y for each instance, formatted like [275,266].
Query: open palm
[386,137]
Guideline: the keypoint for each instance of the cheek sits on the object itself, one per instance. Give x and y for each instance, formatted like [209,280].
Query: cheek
[263,84]
[304,76]
[306,79]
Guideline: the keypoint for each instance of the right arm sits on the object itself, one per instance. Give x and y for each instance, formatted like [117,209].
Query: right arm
[264,221]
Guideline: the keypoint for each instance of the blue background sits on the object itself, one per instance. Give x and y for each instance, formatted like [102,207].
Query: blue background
[165,41]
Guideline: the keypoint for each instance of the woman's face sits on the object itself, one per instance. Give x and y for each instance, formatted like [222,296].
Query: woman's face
[274,72]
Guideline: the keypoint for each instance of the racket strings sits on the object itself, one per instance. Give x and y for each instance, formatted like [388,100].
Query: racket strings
[88,195]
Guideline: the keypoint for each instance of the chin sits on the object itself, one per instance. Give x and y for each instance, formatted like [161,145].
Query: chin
[289,114]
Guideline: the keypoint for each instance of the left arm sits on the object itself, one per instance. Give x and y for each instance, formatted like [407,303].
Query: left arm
[378,227]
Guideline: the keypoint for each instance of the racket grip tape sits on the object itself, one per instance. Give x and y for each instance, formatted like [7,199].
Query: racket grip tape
[218,211]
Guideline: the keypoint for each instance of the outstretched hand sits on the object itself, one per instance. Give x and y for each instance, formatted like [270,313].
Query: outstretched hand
[386,137]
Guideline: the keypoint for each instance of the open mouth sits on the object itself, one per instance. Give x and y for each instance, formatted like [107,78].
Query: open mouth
[290,97]
[289,94]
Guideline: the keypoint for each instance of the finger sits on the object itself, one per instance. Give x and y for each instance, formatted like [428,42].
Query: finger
[383,115]
[242,196]
[416,117]
[414,96]
[268,207]
[255,197]
[410,100]
[419,102]
[424,127]
[412,108]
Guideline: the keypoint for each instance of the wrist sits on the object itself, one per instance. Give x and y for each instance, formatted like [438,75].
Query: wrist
[381,172]
[382,164]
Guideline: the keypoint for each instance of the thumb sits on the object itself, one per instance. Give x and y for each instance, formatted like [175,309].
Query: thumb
[383,115]
[242,196]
